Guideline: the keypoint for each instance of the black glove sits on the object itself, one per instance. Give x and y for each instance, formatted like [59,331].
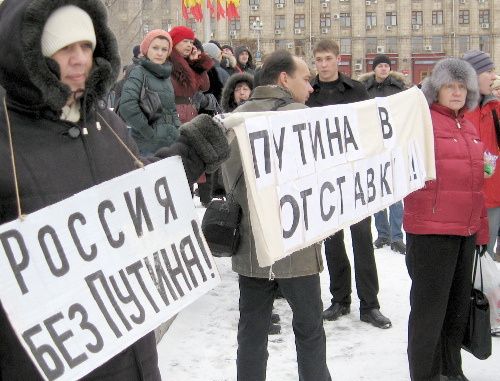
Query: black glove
[481,249]
[208,140]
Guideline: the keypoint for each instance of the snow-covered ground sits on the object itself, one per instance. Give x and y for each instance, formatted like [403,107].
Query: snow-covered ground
[201,343]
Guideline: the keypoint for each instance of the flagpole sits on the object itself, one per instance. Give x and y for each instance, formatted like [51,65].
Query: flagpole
[206,25]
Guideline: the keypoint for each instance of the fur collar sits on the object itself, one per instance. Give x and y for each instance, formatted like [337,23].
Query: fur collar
[184,71]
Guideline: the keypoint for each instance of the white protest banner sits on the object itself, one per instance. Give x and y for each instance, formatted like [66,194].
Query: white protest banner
[312,172]
[85,278]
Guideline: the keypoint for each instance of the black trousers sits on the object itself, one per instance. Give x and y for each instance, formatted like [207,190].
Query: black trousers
[256,303]
[440,267]
[365,268]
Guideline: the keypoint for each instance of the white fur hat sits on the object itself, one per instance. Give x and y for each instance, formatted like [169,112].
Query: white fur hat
[66,25]
[448,70]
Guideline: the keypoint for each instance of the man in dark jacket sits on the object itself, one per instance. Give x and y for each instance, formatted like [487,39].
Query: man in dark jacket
[58,60]
[383,82]
[284,86]
[244,60]
[332,87]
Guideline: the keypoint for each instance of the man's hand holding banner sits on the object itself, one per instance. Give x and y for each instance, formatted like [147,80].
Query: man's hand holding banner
[312,172]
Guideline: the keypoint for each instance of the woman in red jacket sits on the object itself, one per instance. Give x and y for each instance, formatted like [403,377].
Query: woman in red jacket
[444,222]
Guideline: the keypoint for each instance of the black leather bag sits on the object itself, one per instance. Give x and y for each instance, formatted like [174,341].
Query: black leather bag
[221,225]
[150,102]
[477,338]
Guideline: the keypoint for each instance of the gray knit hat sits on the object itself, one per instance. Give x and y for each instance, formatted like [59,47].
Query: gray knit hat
[211,49]
[446,71]
[479,60]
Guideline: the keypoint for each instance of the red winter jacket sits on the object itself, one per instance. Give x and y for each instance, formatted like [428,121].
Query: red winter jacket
[482,119]
[453,203]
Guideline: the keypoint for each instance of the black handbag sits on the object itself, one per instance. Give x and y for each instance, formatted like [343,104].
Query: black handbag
[477,338]
[221,224]
[150,102]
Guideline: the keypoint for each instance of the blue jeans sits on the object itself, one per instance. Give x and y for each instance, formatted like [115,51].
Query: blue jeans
[392,228]
[256,304]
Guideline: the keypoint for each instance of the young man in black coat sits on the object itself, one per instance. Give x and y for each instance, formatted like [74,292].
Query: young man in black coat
[332,87]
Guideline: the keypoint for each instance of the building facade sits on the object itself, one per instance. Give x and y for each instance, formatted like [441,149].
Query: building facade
[414,33]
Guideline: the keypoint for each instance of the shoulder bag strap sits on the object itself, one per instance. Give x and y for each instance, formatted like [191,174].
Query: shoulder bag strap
[497,125]
[230,194]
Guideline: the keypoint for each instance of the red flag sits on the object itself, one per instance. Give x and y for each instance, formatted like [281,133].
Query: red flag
[231,10]
[184,10]
[197,11]
[221,13]
[211,7]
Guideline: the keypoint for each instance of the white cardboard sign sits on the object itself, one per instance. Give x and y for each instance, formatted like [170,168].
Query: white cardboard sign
[86,277]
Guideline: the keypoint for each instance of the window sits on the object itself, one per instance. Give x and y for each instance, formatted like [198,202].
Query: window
[484,16]
[416,18]
[280,45]
[345,45]
[298,1]
[437,17]
[417,44]
[300,46]
[391,19]
[463,44]
[325,21]
[279,2]
[235,24]
[371,18]
[484,43]
[371,45]
[279,22]
[391,45]
[345,20]
[437,44]
[253,2]
[463,17]
[299,21]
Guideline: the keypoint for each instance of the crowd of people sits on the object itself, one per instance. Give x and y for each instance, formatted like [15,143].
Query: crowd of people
[60,60]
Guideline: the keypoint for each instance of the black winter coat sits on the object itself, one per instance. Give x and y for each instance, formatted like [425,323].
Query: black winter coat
[393,84]
[343,90]
[50,164]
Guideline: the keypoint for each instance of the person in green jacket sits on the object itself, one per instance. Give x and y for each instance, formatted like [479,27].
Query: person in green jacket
[156,47]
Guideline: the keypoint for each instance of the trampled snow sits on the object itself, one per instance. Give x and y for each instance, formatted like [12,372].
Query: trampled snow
[201,343]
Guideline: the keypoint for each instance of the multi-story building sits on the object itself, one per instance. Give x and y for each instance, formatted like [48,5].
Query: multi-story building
[414,33]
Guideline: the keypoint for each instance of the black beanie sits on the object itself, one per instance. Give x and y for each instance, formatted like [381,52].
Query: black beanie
[381,59]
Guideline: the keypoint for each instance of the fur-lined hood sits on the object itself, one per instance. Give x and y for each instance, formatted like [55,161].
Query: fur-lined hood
[395,78]
[250,64]
[227,98]
[231,60]
[31,80]
[448,70]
